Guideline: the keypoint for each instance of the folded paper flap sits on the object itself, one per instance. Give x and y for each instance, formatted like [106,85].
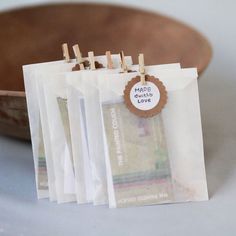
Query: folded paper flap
[36,65]
[173,79]
[54,64]
[51,63]
[49,72]
[176,80]
[152,68]
[102,59]
[91,76]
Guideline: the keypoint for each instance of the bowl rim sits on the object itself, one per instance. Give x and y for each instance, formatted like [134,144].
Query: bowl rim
[209,49]
[9,93]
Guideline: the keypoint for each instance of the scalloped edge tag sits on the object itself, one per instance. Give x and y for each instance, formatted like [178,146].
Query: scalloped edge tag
[145,100]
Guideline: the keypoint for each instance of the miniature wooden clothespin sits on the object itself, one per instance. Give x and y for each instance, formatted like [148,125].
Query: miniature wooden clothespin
[109,60]
[141,68]
[78,56]
[91,60]
[65,52]
[124,67]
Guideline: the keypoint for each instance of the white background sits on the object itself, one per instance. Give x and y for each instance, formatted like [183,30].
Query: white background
[21,214]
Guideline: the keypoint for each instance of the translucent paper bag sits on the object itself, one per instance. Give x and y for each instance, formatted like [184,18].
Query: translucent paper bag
[60,147]
[39,79]
[83,173]
[86,154]
[87,87]
[54,92]
[44,180]
[157,159]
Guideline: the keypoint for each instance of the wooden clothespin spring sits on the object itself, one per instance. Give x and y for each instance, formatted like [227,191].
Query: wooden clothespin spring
[141,68]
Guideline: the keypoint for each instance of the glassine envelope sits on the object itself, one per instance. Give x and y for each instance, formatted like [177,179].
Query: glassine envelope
[173,152]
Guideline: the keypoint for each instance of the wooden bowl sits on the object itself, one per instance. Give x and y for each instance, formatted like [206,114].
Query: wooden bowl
[35,34]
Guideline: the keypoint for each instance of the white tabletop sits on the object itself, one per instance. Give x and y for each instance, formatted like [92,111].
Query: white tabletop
[21,214]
